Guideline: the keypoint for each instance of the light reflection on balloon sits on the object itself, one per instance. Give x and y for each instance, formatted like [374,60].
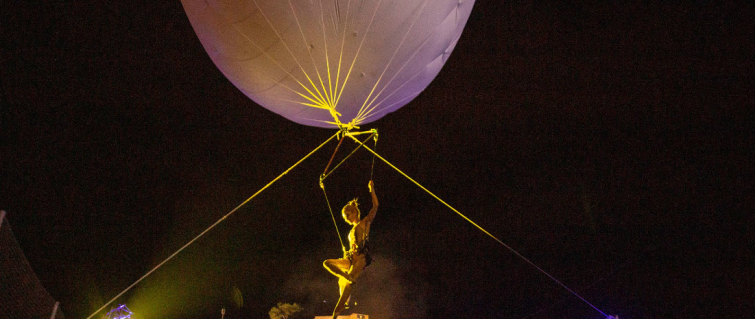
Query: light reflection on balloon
[323,63]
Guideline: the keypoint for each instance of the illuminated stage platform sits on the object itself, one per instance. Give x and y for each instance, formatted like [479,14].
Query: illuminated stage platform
[352,316]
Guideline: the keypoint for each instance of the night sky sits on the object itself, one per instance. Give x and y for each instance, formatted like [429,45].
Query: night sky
[609,143]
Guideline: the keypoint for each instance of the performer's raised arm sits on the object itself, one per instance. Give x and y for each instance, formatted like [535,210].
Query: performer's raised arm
[374,209]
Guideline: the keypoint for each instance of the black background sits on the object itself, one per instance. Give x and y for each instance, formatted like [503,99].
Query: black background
[608,142]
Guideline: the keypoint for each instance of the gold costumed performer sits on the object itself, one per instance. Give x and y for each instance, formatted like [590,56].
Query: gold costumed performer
[354,260]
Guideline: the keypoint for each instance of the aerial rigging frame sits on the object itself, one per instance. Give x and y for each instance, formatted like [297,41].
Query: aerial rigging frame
[373,134]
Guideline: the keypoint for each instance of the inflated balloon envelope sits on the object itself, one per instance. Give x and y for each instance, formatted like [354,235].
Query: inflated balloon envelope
[329,63]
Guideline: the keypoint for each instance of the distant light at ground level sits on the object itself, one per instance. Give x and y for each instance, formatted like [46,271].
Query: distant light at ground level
[121,312]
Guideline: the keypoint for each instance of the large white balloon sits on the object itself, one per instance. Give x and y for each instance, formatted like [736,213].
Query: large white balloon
[313,61]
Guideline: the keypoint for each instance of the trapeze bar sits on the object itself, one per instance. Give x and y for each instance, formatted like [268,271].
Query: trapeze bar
[372,131]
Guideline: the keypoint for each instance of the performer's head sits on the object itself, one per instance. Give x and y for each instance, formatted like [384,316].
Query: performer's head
[351,213]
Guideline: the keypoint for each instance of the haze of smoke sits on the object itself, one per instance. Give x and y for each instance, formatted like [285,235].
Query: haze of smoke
[380,291]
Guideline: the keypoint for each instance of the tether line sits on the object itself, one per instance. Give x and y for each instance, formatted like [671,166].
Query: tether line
[479,227]
[334,155]
[213,225]
[332,215]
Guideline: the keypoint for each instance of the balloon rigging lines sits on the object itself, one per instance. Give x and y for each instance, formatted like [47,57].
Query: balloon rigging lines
[319,97]
[359,49]
[368,106]
[314,99]
[331,93]
[372,111]
[327,96]
[327,59]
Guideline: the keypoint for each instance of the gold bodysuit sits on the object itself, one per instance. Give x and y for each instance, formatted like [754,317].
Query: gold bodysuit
[358,248]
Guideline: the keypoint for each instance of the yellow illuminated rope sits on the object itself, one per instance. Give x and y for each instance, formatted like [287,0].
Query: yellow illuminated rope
[213,225]
[332,215]
[365,105]
[285,45]
[478,226]
[356,55]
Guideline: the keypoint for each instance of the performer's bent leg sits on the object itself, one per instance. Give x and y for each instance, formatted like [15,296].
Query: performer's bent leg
[354,270]
[347,271]
[339,268]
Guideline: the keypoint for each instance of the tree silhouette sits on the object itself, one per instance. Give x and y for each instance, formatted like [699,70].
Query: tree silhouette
[284,310]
